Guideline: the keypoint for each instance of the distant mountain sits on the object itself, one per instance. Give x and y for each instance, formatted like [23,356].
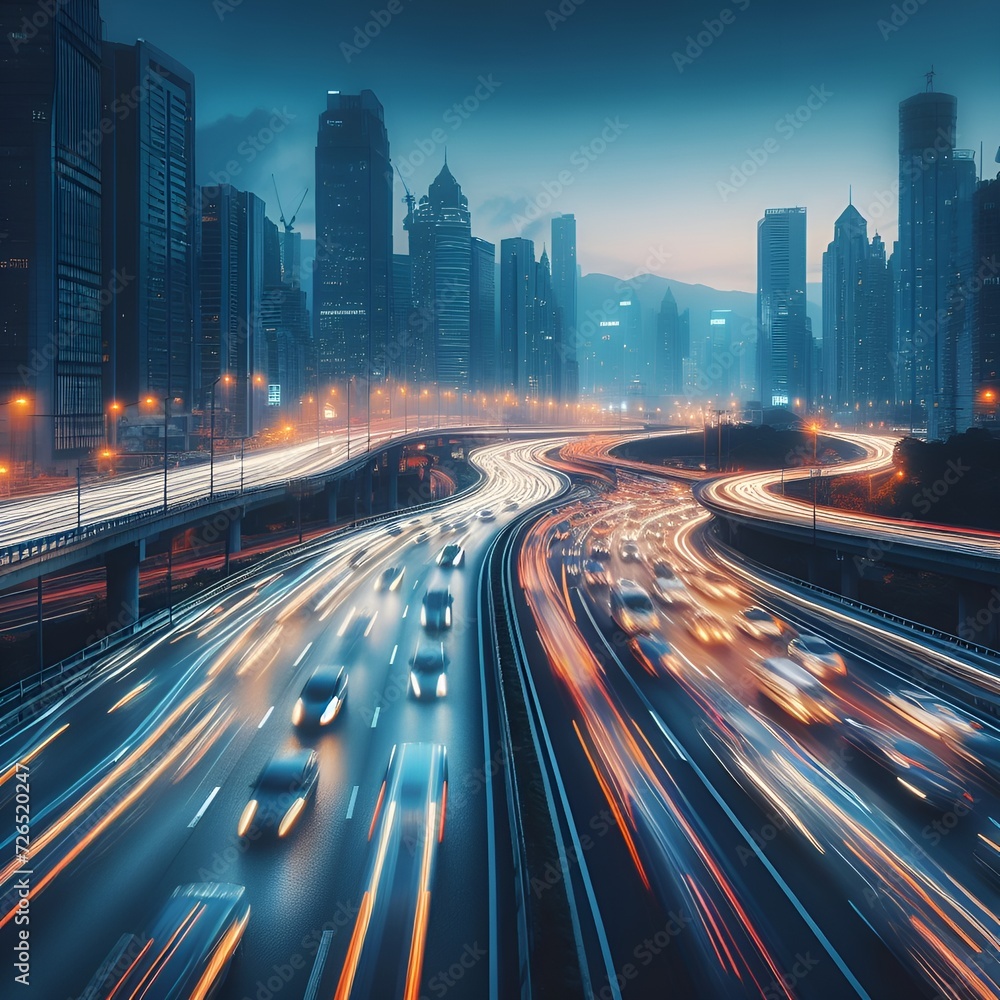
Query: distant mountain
[598,292]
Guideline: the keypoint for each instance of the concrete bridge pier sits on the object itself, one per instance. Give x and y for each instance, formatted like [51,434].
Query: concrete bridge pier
[122,569]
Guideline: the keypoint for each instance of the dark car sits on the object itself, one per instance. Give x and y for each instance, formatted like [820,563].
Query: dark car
[451,555]
[322,697]
[280,793]
[186,954]
[408,824]
[629,552]
[563,530]
[435,611]
[915,767]
[390,579]
[428,671]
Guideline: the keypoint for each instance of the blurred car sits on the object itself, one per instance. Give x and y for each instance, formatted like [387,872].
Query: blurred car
[759,624]
[562,530]
[793,689]
[713,584]
[390,579]
[486,514]
[987,849]
[394,529]
[358,558]
[629,552]
[322,697]
[915,767]
[428,671]
[280,793]
[935,716]
[817,656]
[632,608]
[511,505]
[595,574]
[654,653]
[707,628]
[600,552]
[451,555]
[435,610]
[422,537]
[669,587]
[187,953]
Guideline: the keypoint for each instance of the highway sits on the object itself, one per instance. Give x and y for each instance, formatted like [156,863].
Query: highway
[138,779]
[772,855]
[758,496]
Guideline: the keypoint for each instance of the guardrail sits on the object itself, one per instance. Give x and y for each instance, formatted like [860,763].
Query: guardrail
[55,679]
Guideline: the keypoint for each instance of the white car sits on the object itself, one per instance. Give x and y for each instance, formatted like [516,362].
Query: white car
[817,656]
[632,608]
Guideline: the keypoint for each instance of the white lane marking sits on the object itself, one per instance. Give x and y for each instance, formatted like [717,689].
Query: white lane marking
[302,655]
[375,717]
[121,753]
[392,659]
[267,715]
[354,798]
[201,811]
[371,623]
[407,608]
[312,986]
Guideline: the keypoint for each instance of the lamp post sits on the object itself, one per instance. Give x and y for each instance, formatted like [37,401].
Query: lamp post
[349,381]
[814,475]
[211,440]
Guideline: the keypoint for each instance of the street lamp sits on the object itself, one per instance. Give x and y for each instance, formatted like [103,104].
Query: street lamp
[211,441]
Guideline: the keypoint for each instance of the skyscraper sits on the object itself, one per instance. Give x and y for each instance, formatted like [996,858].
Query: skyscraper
[401,352]
[986,338]
[933,327]
[52,282]
[149,227]
[353,270]
[784,343]
[517,304]
[482,327]
[672,348]
[844,270]
[231,345]
[564,291]
[873,380]
[441,252]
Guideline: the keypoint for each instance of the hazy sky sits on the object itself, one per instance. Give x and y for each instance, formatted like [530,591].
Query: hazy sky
[655,192]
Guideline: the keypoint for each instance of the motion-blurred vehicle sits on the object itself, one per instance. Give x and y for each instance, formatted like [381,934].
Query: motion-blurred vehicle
[435,610]
[388,939]
[655,654]
[935,716]
[322,697]
[713,584]
[511,505]
[916,768]
[987,848]
[669,587]
[187,952]
[629,552]
[390,579]
[358,558]
[451,555]
[632,608]
[428,671]
[793,689]
[707,628]
[759,624]
[595,574]
[422,537]
[280,793]
[818,657]
[600,552]
[486,514]
[394,529]
[562,531]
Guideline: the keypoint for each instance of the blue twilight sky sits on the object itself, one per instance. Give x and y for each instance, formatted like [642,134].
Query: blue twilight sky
[656,192]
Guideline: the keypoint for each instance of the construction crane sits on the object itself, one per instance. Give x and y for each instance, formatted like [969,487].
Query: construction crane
[289,226]
[409,200]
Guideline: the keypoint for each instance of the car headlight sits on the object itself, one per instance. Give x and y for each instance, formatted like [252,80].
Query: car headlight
[457,561]
[447,617]
[246,817]
[423,616]
[414,684]
[288,820]
[330,712]
[442,686]
[298,713]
